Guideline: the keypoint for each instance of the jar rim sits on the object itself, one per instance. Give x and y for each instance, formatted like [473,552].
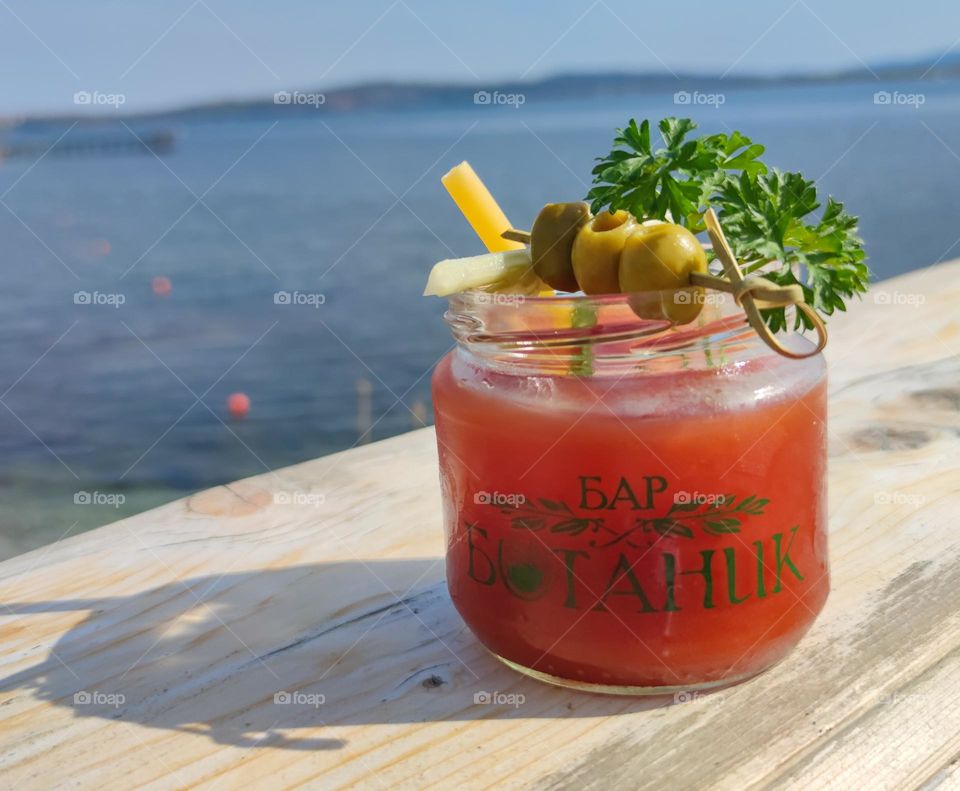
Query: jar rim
[619,329]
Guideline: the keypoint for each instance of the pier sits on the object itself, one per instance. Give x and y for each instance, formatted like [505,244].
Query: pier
[86,144]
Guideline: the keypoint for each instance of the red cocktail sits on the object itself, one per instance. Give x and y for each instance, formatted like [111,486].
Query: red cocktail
[629,506]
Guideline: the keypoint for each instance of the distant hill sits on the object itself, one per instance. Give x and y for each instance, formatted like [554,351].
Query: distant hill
[387,96]
[940,65]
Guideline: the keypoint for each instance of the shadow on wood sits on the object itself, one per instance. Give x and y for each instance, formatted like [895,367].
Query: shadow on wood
[249,658]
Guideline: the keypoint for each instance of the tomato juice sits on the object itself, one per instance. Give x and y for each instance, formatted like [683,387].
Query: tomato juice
[661,528]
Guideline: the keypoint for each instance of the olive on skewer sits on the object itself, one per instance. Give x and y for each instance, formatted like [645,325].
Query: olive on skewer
[661,258]
[613,253]
[596,251]
[551,242]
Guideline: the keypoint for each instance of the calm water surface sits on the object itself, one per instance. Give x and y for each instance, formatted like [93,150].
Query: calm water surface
[129,399]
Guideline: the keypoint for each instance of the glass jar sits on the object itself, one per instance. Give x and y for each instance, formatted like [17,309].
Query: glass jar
[630,506]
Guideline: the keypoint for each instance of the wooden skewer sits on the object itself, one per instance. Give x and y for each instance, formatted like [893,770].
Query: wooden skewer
[752,292]
[765,293]
[744,288]
[516,236]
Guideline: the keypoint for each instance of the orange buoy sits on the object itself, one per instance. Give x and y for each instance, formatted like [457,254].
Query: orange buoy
[161,286]
[238,405]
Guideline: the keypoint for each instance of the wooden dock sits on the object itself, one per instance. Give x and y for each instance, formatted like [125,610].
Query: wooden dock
[294,629]
[86,144]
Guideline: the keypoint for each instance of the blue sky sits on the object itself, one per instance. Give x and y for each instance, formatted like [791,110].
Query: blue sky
[173,52]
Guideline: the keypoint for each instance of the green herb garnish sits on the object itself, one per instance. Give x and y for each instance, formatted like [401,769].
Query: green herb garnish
[767,215]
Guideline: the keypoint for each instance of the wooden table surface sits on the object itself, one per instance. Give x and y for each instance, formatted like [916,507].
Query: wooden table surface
[295,629]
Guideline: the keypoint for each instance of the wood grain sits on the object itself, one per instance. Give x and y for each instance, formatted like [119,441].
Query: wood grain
[326,579]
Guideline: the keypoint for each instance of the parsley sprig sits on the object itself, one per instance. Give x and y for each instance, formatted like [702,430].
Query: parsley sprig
[768,216]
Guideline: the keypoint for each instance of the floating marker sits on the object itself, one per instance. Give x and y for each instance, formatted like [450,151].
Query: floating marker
[238,405]
[161,286]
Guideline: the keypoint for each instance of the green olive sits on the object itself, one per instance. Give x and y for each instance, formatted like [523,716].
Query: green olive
[596,251]
[551,241]
[661,258]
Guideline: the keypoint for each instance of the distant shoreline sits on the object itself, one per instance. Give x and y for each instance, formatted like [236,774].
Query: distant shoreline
[405,96]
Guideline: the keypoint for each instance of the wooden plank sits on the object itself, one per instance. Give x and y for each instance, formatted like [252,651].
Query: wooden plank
[327,579]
